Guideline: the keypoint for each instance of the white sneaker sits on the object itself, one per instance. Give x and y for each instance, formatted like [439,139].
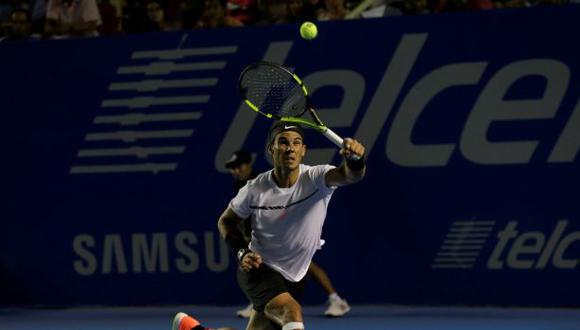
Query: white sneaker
[337,307]
[246,312]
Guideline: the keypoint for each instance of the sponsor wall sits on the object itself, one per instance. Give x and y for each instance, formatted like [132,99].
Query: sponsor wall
[113,152]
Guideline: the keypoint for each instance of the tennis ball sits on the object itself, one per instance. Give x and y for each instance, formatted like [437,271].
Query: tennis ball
[308,30]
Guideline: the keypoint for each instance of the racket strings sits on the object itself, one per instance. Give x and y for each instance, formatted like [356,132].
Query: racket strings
[274,91]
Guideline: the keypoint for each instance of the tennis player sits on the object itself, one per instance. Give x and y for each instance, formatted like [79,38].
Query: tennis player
[288,205]
[241,168]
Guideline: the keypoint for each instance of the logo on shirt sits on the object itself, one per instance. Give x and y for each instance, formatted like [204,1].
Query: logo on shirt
[283,207]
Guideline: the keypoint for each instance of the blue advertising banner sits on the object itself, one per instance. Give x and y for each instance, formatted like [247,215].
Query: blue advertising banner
[114,148]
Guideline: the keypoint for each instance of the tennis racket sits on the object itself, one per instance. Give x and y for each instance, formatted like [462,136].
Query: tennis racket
[275,92]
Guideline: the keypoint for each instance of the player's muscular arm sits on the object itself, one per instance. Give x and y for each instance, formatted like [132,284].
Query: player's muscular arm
[351,171]
[228,228]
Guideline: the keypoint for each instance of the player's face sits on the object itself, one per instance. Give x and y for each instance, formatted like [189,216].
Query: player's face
[288,150]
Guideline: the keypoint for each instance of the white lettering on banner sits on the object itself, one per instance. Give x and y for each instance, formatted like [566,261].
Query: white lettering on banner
[462,245]
[475,145]
[113,249]
[143,253]
[88,263]
[138,101]
[566,149]
[383,101]
[531,250]
[149,253]
[400,148]
[189,261]
[213,264]
[491,107]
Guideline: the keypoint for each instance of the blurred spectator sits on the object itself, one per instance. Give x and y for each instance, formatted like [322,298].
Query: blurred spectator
[380,8]
[190,13]
[214,15]
[295,11]
[172,11]
[7,7]
[5,10]
[156,17]
[86,18]
[333,10]
[416,7]
[109,18]
[302,10]
[72,18]
[512,3]
[275,12]
[550,2]
[311,9]
[407,7]
[38,16]
[18,26]
[397,8]
[450,6]
[245,11]
[134,16]
[480,4]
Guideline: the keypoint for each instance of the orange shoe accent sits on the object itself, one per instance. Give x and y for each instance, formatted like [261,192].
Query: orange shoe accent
[182,321]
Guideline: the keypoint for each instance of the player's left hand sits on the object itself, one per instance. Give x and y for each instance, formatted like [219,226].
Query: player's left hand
[351,147]
[250,260]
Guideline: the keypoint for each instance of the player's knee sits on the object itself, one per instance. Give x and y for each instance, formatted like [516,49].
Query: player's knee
[288,312]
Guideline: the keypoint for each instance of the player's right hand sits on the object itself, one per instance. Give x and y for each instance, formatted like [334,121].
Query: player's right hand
[250,260]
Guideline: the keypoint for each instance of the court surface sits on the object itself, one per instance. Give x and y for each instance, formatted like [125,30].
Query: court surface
[361,317]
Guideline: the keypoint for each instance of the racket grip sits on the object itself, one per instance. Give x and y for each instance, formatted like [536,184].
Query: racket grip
[338,141]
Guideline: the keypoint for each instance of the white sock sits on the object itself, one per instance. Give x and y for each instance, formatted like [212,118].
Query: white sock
[334,296]
[293,326]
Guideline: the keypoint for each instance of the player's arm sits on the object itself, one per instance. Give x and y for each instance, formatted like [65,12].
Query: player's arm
[230,232]
[351,171]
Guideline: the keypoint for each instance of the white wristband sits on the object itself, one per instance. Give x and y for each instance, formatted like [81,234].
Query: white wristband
[242,253]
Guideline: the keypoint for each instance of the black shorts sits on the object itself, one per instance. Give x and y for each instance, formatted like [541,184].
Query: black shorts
[262,284]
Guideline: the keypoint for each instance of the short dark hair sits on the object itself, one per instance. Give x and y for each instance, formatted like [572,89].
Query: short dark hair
[281,126]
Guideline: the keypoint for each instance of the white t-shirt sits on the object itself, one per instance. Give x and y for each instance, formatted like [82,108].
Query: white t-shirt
[79,11]
[286,222]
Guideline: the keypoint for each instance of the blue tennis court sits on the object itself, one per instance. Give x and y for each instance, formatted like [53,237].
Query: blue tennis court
[361,317]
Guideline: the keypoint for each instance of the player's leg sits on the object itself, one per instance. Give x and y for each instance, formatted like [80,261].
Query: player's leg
[259,321]
[336,305]
[270,293]
[320,276]
[285,311]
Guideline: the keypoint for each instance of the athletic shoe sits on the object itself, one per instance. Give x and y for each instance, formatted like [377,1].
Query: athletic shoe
[246,312]
[337,307]
[182,321]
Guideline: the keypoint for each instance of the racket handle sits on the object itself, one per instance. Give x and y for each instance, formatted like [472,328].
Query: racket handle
[338,141]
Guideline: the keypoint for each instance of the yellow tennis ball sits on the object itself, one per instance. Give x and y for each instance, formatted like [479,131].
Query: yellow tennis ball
[308,30]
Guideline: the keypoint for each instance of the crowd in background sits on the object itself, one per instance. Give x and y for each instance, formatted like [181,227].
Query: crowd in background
[36,19]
